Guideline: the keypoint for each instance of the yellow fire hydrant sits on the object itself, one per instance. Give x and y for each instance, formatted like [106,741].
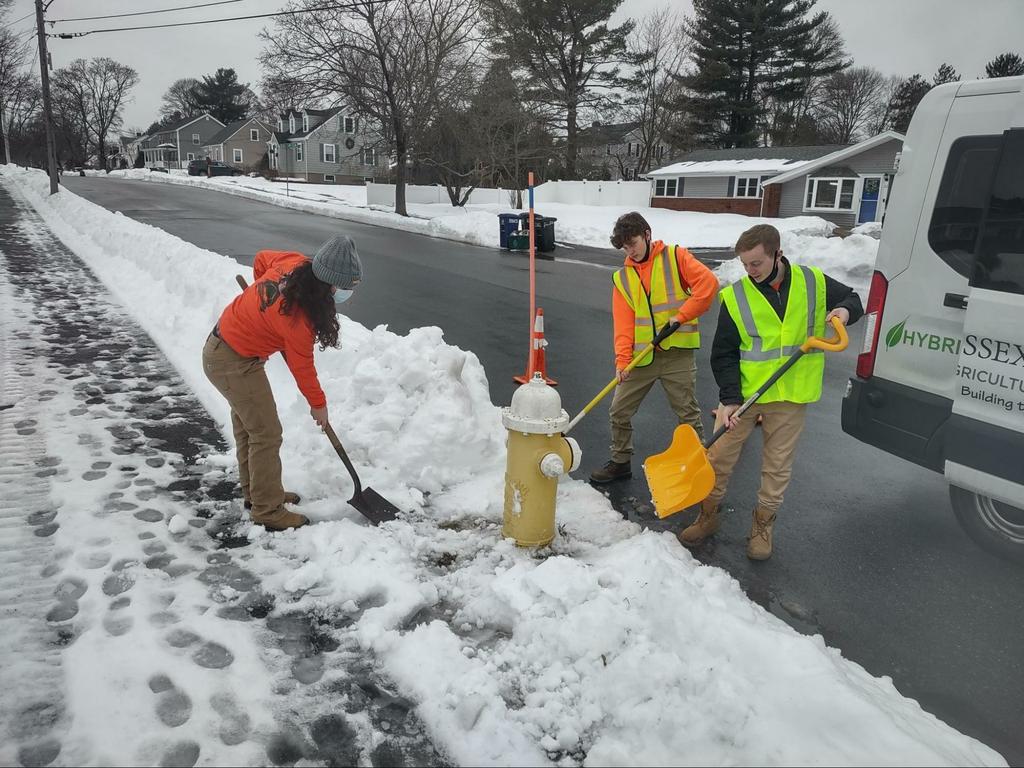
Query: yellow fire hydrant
[538,454]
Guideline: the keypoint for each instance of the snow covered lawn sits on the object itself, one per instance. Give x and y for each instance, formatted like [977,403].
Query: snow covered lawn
[611,647]
[477,224]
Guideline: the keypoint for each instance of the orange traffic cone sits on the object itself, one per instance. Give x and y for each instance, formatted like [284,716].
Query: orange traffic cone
[537,361]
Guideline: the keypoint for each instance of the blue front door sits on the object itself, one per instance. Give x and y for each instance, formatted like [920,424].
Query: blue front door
[869,200]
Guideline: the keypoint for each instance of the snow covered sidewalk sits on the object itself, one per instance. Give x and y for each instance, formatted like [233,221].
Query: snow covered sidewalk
[613,646]
[131,631]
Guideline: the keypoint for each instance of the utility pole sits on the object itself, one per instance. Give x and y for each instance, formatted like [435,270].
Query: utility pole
[7,138]
[44,74]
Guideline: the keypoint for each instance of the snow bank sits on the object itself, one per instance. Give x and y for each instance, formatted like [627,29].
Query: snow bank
[478,224]
[611,647]
[848,259]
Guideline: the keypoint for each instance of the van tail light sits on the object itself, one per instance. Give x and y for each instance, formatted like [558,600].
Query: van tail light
[873,325]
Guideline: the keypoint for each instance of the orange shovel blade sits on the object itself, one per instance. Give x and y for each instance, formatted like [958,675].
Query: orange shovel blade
[681,476]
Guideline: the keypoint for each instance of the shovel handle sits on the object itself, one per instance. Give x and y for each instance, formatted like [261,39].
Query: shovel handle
[241,282]
[669,329]
[836,343]
[340,449]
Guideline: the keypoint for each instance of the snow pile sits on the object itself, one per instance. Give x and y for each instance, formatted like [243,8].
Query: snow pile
[613,646]
[849,260]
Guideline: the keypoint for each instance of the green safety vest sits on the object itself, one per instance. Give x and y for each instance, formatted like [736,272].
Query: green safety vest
[653,310]
[766,342]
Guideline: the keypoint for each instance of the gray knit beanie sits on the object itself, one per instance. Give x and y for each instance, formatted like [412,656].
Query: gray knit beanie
[337,263]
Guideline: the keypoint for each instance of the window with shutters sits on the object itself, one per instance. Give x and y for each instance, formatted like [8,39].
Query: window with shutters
[329,153]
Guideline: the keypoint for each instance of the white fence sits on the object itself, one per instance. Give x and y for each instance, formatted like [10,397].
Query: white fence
[635,194]
[384,194]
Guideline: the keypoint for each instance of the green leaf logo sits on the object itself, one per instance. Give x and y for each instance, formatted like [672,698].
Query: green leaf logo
[895,334]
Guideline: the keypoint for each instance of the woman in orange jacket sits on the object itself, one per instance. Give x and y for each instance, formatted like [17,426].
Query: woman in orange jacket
[290,306]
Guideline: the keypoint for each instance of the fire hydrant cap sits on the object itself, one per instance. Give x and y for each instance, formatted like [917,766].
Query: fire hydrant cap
[535,408]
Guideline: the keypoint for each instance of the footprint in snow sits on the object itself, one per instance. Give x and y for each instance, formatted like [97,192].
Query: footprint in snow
[173,706]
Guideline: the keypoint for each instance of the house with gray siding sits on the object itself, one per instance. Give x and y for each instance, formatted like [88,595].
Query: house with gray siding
[174,145]
[612,151]
[845,184]
[242,144]
[326,146]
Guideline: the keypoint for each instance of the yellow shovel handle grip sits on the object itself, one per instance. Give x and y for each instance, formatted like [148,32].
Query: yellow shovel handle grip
[835,344]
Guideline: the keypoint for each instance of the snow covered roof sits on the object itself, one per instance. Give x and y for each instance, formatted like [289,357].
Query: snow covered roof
[836,157]
[728,167]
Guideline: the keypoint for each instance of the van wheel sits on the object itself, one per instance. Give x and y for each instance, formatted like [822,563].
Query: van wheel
[996,526]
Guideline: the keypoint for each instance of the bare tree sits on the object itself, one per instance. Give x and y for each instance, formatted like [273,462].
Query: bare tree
[13,56]
[881,117]
[512,139]
[848,100]
[660,44]
[179,98]
[279,93]
[92,96]
[393,63]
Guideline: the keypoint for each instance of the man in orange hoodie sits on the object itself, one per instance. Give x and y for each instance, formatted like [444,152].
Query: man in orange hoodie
[657,284]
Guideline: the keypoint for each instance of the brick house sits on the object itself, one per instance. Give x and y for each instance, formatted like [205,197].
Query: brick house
[845,184]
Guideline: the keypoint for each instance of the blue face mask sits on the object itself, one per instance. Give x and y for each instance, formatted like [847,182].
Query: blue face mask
[341,296]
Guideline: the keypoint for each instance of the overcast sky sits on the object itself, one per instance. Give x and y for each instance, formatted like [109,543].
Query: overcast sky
[895,36]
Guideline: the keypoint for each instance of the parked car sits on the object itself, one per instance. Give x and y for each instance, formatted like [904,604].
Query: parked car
[216,168]
[941,379]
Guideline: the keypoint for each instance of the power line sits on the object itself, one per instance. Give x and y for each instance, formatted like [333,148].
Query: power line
[335,7]
[145,13]
[9,24]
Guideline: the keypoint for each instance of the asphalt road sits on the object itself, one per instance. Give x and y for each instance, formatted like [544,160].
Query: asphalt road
[868,553]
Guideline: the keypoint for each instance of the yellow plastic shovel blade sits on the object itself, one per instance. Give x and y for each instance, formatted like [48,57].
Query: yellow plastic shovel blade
[681,476]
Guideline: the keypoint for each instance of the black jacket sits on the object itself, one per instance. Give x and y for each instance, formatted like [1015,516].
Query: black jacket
[725,351]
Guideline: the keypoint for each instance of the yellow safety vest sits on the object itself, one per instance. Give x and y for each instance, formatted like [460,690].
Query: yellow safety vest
[652,311]
[766,342]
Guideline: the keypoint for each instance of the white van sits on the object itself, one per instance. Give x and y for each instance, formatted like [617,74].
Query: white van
[941,378]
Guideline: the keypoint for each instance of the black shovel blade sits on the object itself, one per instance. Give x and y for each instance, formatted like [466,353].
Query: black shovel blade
[373,506]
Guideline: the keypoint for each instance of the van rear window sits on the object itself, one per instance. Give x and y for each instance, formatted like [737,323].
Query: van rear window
[1000,256]
[963,197]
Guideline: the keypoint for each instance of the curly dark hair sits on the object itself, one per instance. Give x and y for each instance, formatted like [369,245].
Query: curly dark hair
[628,226]
[312,296]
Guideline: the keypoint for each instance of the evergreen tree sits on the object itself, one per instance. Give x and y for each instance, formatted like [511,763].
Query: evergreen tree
[568,52]
[945,74]
[222,96]
[745,53]
[1005,65]
[905,99]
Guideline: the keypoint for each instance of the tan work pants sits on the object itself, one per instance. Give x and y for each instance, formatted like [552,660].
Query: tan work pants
[676,369]
[254,421]
[783,423]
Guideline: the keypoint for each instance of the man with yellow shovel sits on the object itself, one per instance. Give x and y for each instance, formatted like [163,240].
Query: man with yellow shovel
[776,312]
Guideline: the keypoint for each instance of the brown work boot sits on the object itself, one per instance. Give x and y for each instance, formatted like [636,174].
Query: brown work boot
[705,526]
[759,545]
[289,498]
[281,519]
[613,470]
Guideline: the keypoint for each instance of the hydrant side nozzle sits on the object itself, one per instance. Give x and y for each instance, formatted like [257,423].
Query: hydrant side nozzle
[577,454]
[552,465]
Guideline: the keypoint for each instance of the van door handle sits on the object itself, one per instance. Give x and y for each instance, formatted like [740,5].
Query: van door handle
[955,300]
